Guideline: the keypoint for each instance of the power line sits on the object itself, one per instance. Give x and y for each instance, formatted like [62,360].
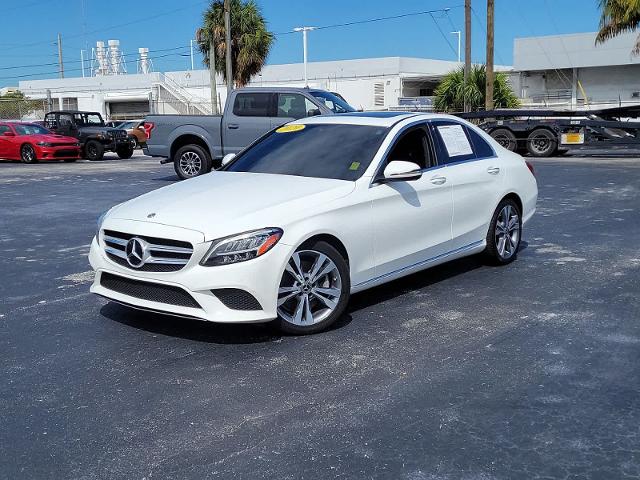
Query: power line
[378,19]
[79,69]
[111,27]
[79,61]
[446,39]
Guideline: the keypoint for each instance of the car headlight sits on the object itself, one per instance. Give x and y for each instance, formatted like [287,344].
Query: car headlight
[45,144]
[241,247]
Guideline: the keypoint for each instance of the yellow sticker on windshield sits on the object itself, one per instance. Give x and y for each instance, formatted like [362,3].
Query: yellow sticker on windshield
[290,128]
[354,166]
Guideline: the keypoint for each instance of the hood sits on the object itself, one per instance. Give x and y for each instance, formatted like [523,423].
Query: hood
[55,138]
[99,129]
[225,203]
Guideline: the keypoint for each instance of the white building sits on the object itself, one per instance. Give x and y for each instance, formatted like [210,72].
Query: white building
[571,70]
[372,83]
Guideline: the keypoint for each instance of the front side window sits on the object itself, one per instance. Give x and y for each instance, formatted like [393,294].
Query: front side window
[294,105]
[88,119]
[31,129]
[253,104]
[4,128]
[413,146]
[341,152]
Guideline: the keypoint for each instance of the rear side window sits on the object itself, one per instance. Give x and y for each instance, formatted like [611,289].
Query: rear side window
[481,147]
[4,128]
[252,104]
[453,142]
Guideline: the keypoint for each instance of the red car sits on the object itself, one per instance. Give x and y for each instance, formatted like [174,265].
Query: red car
[30,142]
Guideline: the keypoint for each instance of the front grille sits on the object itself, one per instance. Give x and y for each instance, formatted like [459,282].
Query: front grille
[120,134]
[237,299]
[152,292]
[162,255]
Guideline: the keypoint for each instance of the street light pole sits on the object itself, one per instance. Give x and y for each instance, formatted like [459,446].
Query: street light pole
[304,31]
[227,41]
[459,34]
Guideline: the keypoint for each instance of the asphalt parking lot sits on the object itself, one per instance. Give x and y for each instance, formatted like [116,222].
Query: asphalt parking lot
[461,372]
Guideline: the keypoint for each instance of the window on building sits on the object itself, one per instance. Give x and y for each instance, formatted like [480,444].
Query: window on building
[70,103]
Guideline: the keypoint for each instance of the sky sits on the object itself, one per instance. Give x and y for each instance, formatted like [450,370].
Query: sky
[29,28]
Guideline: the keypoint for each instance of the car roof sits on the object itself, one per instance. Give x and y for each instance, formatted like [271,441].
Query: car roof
[379,119]
[75,111]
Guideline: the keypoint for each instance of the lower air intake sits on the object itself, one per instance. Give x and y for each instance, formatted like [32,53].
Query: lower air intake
[237,299]
[152,292]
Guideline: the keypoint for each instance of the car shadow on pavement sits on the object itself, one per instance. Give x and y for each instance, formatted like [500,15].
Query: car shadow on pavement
[186,328]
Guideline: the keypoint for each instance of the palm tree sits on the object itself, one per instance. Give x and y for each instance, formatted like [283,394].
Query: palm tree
[250,39]
[619,16]
[451,91]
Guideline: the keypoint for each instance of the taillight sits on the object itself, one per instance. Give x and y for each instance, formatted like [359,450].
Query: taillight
[148,126]
[530,167]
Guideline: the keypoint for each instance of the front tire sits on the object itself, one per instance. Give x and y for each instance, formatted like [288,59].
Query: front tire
[93,150]
[134,142]
[314,290]
[505,233]
[28,154]
[191,161]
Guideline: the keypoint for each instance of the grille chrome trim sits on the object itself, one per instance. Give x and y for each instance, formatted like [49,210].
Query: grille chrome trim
[162,255]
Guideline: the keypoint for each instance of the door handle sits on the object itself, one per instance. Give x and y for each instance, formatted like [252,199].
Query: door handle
[232,126]
[438,180]
[493,170]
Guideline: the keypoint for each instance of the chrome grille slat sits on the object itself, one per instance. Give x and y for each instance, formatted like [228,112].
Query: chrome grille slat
[162,255]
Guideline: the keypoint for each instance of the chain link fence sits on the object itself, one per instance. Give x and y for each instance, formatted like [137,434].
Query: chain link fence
[23,109]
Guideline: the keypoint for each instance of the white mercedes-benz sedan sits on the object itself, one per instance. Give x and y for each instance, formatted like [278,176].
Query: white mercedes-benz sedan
[312,212]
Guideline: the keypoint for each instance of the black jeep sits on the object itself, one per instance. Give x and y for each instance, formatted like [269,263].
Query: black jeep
[89,128]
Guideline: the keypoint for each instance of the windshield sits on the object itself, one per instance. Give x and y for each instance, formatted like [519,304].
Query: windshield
[336,104]
[342,152]
[31,129]
[88,119]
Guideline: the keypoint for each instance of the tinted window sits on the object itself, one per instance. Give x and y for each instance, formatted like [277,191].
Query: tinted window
[88,119]
[453,143]
[4,128]
[322,151]
[333,102]
[31,129]
[252,104]
[481,147]
[294,105]
[413,146]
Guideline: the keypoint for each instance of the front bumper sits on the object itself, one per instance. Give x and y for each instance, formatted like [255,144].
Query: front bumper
[63,152]
[259,277]
[113,145]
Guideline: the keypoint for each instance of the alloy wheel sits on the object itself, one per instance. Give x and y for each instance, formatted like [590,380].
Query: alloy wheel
[310,289]
[190,164]
[507,234]
[28,154]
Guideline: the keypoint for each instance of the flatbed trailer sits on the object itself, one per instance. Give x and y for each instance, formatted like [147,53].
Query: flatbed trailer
[548,133]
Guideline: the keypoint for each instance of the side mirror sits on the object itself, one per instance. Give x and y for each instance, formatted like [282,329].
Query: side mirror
[401,170]
[314,112]
[8,134]
[227,158]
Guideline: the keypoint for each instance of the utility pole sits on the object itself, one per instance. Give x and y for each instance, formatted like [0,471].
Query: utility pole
[191,52]
[304,31]
[489,66]
[60,64]
[467,50]
[227,41]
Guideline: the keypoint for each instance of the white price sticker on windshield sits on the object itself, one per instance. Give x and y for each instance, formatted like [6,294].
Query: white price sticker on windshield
[455,140]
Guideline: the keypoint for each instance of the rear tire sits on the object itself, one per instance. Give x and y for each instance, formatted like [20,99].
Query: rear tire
[191,161]
[505,233]
[542,143]
[125,152]
[506,138]
[93,150]
[28,154]
[314,290]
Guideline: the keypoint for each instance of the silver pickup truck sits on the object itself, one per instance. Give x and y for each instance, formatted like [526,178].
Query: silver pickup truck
[196,143]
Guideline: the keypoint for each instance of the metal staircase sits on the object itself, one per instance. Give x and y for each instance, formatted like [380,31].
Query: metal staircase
[169,92]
